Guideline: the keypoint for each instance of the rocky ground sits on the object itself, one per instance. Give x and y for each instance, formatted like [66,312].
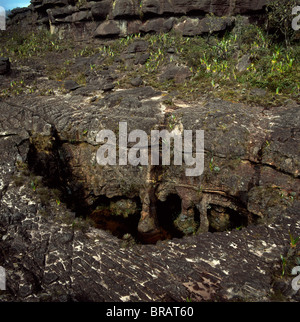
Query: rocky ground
[72,230]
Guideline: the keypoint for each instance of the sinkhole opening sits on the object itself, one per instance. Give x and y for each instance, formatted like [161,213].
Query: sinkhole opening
[118,216]
[167,213]
[225,219]
[121,215]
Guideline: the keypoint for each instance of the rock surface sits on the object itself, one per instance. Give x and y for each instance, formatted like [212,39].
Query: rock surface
[72,230]
[50,255]
[110,18]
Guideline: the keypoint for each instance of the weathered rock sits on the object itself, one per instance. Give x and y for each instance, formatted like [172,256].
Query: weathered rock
[195,26]
[177,73]
[81,16]
[126,8]
[141,58]
[52,3]
[219,8]
[100,10]
[243,63]
[157,25]
[109,28]
[49,255]
[108,87]
[70,85]
[133,16]
[248,6]
[61,12]
[138,46]
[137,81]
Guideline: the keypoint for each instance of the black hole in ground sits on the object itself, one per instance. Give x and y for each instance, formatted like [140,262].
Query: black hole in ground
[223,219]
[117,222]
[104,218]
[167,212]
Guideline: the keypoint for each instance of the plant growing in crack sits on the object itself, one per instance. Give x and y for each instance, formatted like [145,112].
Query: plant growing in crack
[213,167]
[294,241]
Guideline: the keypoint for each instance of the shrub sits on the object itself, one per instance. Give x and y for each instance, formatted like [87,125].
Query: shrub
[279,19]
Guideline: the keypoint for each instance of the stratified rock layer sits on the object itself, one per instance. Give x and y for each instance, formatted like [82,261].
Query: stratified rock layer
[108,18]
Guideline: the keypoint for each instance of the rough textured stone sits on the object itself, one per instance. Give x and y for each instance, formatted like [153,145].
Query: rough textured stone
[138,46]
[243,63]
[137,81]
[233,223]
[100,10]
[177,73]
[147,16]
[108,28]
[126,8]
[194,26]
[48,257]
[157,25]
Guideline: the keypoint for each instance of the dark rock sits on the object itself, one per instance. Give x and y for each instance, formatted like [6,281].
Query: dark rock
[218,8]
[125,8]
[100,10]
[137,81]
[249,6]
[4,65]
[81,16]
[86,90]
[133,27]
[177,73]
[108,87]
[62,12]
[157,25]
[53,3]
[109,28]
[141,59]
[138,46]
[70,85]
[195,26]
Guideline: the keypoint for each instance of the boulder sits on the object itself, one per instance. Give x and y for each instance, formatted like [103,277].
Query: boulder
[70,85]
[100,10]
[138,46]
[137,81]
[62,12]
[196,26]
[177,73]
[157,25]
[81,16]
[243,63]
[125,9]
[110,28]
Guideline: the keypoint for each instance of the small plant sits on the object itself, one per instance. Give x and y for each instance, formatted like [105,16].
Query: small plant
[33,185]
[283,265]
[294,241]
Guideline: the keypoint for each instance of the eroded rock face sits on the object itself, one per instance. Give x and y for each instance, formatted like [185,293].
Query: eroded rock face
[110,18]
[251,175]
